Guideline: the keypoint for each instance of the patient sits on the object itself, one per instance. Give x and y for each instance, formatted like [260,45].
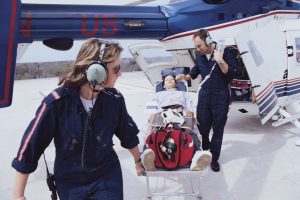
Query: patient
[171,98]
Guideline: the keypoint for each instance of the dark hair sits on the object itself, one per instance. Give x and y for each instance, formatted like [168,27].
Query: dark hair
[202,34]
[164,78]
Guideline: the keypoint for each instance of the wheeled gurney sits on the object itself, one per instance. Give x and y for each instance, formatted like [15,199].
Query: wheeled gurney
[191,179]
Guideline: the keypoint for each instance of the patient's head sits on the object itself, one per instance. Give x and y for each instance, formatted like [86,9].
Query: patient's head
[169,82]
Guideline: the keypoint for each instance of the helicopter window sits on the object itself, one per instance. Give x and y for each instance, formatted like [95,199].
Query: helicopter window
[239,15]
[289,3]
[221,16]
[297,42]
[154,55]
[192,54]
[215,1]
[258,59]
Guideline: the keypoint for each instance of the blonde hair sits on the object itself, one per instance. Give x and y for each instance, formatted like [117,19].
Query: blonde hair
[89,53]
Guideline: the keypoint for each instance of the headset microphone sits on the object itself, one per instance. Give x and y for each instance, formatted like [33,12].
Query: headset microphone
[96,73]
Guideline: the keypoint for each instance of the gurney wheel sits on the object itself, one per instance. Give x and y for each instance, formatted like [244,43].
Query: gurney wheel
[149,198]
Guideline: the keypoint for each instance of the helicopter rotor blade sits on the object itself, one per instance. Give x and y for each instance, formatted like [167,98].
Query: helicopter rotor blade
[139,2]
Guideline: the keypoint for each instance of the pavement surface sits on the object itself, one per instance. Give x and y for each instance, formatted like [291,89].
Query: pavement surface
[257,162]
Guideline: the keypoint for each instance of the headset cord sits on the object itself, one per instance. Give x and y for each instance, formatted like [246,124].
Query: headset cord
[206,78]
[212,69]
[87,130]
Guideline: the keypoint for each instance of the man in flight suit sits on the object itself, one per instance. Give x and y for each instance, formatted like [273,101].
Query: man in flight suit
[214,95]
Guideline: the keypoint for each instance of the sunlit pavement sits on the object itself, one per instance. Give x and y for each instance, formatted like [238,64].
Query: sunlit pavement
[257,162]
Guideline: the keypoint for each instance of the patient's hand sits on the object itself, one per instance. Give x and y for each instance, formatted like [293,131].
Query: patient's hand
[189,114]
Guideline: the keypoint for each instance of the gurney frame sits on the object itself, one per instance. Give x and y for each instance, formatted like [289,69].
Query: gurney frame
[184,173]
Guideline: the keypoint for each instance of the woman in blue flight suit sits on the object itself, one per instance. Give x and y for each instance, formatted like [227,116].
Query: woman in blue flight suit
[82,118]
[214,95]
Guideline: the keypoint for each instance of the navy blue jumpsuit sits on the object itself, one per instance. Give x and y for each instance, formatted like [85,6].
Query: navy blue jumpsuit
[80,174]
[213,100]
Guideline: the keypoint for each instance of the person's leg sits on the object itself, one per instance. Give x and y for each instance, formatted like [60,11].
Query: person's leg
[204,126]
[219,122]
[196,141]
[69,191]
[220,107]
[148,158]
[109,187]
[148,155]
[201,160]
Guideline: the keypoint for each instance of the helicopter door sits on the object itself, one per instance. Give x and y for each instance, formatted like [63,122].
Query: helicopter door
[266,64]
[293,46]
[153,58]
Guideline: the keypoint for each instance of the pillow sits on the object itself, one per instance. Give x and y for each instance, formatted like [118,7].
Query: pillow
[174,71]
[180,85]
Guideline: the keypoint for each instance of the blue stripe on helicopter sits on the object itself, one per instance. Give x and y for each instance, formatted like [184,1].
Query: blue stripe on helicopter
[287,89]
[269,100]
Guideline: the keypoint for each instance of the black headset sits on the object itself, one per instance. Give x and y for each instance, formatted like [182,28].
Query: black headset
[96,72]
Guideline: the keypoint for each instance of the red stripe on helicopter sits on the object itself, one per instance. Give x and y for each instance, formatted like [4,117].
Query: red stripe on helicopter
[276,85]
[9,52]
[286,82]
[264,92]
[232,23]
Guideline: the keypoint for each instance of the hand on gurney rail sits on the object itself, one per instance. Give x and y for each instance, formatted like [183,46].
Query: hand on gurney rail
[140,170]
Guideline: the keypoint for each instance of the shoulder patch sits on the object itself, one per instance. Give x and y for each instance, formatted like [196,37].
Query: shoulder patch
[113,92]
[118,93]
[56,94]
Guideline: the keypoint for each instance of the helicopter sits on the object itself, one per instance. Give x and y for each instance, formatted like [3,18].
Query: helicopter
[272,65]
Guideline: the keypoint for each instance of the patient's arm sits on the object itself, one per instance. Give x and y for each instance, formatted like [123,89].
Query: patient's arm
[189,105]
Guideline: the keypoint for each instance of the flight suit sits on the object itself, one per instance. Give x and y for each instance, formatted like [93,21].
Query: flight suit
[213,99]
[86,165]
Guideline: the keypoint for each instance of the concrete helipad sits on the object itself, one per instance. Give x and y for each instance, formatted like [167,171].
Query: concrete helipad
[257,162]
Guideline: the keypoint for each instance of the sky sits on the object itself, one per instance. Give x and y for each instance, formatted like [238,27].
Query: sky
[48,54]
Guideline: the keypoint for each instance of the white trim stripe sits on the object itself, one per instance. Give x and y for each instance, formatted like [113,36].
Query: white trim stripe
[264,92]
[270,96]
[233,23]
[277,85]
[37,120]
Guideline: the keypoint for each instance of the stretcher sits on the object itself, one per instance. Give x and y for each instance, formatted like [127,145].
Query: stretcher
[189,181]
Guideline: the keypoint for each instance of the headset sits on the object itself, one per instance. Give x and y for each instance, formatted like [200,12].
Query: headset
[208,39]
[96,72]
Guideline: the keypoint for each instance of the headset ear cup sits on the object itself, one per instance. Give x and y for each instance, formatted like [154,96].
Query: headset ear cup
[96,73]
[208,40]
